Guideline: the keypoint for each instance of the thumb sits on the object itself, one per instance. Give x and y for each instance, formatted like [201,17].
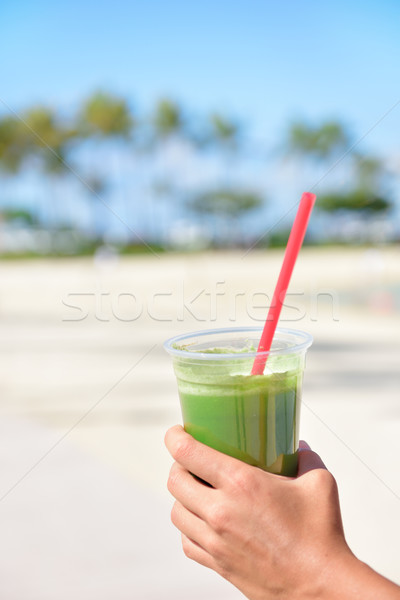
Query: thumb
[308,460]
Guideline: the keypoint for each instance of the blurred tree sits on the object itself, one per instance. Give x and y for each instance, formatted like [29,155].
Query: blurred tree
[367,195]
[217,132]
[369,171]
[18,214]
[319,142]
[47,138]
[106,115]
[357,200]
[224,132]
[12,144]
[225,202]
[225,206]
[38,138]
[44,131]
[168,131]
[97,188]
[108,118]
[189,137]
[167,120]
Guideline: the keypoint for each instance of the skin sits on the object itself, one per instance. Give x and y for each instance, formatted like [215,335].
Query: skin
[272,537]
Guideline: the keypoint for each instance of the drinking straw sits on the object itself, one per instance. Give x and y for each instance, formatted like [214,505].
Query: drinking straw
[294,244]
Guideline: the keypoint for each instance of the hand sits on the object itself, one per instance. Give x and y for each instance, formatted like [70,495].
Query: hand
[270,536]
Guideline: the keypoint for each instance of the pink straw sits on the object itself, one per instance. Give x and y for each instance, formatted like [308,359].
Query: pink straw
[292,250]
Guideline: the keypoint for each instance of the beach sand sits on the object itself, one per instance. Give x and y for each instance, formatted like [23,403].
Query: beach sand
[87,393]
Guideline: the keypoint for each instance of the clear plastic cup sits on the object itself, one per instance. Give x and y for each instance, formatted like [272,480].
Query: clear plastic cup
[254,418]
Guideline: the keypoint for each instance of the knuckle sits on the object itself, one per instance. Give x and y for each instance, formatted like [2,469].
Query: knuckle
[331,485]
[173,479]
[324,477]
[214,547]
[219,518]
[220,553]
[183,449]
[187,547]
[175,512]
[171,483]
[171,434]
[324,481]
[241,480]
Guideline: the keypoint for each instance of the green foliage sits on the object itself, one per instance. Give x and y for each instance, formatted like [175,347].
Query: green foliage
[224,130]
[277,239]
[37,132]
[18,214]
[358,200]
[219,132]
[367,194]
[225,202]
[369,171]
[12,144]
[321,141]
[43,129]
[106,115]
[44,138]
[167,118]
[45,135]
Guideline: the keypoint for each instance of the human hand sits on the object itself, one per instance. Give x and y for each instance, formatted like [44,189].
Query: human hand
[270,536]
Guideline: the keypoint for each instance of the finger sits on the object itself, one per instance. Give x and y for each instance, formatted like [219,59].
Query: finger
[195,496]
[210,465]
[191,525]
[308,460]
[195,552]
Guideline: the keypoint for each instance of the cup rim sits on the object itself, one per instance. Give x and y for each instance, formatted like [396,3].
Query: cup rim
[306,342]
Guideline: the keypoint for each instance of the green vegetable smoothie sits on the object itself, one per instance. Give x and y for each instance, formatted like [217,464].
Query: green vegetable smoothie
[254,418]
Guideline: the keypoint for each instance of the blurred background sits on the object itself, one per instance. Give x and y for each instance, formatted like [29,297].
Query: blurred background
[152,156]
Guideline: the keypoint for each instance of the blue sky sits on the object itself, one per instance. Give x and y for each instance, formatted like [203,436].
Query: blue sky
[263,61]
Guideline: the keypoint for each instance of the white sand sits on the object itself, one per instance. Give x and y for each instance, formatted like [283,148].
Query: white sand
[83,370]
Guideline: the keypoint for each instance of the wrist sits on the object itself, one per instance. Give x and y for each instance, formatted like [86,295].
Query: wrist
[351,579]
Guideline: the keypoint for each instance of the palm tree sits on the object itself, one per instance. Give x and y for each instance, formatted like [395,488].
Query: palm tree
[226,206]
[106,119]
[168,130]
[12,152]
[12,144]
[39,137]
[106,115]
[321,144]
[368,196]
[224,132]
[167,119]
[46,141]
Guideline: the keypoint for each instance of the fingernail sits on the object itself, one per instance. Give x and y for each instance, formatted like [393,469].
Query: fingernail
[303,446]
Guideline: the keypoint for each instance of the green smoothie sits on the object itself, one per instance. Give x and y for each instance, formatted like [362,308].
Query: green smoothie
[254,418]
